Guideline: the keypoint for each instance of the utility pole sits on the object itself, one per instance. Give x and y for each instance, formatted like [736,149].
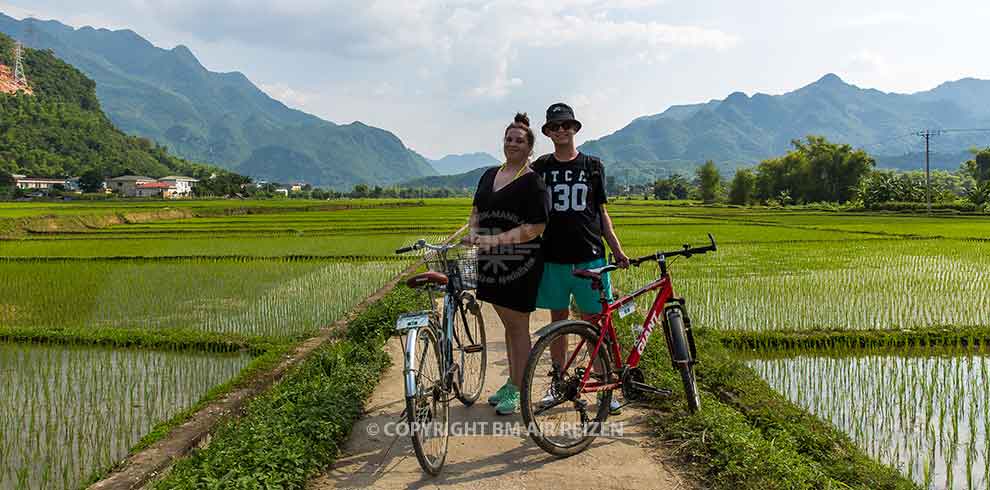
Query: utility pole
[927,135]
[19,77]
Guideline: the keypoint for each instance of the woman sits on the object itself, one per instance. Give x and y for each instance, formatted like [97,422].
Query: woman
[509,214]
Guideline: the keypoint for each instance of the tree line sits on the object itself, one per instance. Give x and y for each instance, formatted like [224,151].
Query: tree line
[819,171]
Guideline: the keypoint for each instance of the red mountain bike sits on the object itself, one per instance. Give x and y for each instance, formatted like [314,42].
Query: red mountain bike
[566,393]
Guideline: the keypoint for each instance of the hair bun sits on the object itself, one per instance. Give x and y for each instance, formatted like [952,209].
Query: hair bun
[522,118]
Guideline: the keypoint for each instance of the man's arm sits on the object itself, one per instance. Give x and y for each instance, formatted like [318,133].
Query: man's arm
[608,232]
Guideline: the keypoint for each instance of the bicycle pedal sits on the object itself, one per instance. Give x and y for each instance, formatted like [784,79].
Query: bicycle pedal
[473,349]
[645,388]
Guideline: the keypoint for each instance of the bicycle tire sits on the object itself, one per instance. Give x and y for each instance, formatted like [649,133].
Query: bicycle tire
[590,334]
[680,354]
[428,405]
[470,344]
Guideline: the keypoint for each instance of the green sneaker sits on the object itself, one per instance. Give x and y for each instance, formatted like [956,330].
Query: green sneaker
[509,402]
[497,397]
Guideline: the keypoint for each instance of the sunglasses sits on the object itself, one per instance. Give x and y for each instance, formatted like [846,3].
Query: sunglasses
[566,126]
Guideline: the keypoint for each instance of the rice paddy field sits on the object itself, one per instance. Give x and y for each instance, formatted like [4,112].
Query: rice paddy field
[273,273]
[923,410]
[116,319]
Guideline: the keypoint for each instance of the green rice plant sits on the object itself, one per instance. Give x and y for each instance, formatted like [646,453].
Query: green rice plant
[335,244]
[68,412]
[278,299]
[848,285]
[926,414]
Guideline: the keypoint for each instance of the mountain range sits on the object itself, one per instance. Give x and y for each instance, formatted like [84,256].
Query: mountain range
[743,130]
[458,164]
[219,118]
[224,119]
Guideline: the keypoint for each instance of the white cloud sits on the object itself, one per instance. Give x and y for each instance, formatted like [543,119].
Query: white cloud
[867,61]
[466,63]
[474,47]
[15,11]
[287,95]
[877,19]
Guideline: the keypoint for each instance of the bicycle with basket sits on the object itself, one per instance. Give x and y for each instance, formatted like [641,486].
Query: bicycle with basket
[444,349]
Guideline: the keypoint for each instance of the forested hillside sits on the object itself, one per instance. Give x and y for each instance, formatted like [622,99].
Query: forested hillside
[60,130]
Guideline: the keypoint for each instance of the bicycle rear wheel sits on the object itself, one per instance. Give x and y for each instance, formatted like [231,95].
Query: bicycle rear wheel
[470,349]
[562,421]
[680,354]
[428,408]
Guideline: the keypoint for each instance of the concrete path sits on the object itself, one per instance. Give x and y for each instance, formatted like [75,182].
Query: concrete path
[488,461]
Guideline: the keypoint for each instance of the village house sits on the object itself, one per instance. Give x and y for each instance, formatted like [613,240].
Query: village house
[154,189]
[41,183]
[169,187]
[126,185]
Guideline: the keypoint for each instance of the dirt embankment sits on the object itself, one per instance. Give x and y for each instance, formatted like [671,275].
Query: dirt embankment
[82,223]
[7,83]
[14,228]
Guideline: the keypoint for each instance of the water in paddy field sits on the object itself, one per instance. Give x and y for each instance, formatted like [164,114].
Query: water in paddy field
[925,414]
[67,412]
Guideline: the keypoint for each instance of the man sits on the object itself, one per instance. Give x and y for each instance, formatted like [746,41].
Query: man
[578,222]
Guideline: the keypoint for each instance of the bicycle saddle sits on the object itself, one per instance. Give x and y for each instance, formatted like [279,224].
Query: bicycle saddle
[427,278]
[595,273]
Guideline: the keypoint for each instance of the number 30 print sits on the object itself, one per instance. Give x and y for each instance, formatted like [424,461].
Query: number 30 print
[570,197]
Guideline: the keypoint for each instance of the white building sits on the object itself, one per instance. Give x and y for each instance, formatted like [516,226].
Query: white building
[169,187]
[183,185]
[25,182]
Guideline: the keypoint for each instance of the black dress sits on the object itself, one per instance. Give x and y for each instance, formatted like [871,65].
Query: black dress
[509,275]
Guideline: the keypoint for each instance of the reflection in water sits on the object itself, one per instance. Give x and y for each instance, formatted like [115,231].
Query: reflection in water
[67,412]
[927,416]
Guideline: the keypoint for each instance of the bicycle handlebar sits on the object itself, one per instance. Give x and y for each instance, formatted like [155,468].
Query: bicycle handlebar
[421,243]
[687,251]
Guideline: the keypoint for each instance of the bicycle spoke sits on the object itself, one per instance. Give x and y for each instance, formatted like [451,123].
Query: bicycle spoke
[429,405]
[469,353]
[559,409]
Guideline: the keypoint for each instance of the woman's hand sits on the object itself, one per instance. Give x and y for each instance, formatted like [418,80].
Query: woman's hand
[484,242]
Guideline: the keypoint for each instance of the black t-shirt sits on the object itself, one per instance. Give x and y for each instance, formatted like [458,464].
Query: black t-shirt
[522,201]
[577,193]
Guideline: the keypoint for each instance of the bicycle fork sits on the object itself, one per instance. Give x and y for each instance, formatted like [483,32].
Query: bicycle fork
[682,351]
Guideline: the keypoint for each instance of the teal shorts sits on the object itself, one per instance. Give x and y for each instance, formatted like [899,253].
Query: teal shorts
[558,284]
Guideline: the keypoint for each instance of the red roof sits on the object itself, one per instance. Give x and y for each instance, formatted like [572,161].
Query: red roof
[154,185]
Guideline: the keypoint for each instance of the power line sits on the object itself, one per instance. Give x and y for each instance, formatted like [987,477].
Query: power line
[968,130]
[889,140]
[927,135]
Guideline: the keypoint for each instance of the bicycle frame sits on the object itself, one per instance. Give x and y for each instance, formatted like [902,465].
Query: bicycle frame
[607,328]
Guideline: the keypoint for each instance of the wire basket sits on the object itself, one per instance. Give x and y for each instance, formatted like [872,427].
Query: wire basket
[464,258]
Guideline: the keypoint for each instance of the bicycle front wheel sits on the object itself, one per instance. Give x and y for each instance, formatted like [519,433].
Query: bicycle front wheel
[562,420]
[470,349]
[428,408]
[680,353]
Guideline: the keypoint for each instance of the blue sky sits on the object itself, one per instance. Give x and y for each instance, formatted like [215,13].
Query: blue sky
[447,76]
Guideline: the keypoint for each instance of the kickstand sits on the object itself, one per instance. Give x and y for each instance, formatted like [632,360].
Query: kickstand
[381,464]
